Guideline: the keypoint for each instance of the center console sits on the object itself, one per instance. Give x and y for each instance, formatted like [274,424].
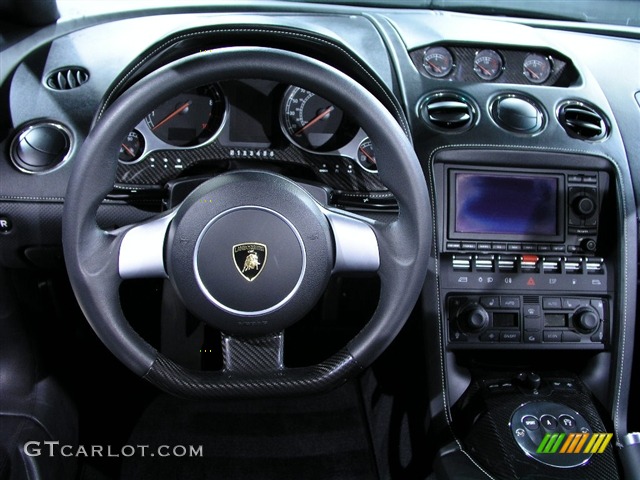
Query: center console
[526,288]
[523,259]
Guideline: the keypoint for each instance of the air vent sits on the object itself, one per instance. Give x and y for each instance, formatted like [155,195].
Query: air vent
[67,78]
[582,121]
[448,111]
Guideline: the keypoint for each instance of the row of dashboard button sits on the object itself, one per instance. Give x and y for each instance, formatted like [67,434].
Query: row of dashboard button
[509,247]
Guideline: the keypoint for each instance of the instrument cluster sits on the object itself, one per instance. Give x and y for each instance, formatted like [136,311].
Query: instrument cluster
[255,119]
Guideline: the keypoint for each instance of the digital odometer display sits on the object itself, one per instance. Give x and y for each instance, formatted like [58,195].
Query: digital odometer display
[522,205]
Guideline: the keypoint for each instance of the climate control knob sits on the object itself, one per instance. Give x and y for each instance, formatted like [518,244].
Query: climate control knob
[473,318]
[586,319]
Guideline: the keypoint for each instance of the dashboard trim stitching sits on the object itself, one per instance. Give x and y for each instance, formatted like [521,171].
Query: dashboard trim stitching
[620,371]
[399,113]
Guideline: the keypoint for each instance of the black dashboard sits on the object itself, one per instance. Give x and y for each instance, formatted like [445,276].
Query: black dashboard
[526,131]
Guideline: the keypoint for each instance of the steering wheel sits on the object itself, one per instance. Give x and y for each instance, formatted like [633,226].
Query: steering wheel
[249,252]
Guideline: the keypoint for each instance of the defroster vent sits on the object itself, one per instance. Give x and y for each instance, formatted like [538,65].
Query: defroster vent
[67,78]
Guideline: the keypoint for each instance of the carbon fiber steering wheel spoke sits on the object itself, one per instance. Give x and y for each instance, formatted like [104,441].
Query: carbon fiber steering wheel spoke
[251,355]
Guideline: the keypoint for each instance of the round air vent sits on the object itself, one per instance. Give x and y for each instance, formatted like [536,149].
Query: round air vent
[67,78]
[447,111]
[40,147]
[582,121]
[518,114]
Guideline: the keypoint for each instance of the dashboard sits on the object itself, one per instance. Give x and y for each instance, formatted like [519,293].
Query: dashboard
[526,132]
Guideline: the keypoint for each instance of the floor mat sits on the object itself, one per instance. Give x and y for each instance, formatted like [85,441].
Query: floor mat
[321,437]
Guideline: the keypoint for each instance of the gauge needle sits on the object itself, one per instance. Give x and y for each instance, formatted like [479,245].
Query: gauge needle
[435,67]
[171,115]
[371,159]
[317,118]
[129,151]
[485,70]
[532,72]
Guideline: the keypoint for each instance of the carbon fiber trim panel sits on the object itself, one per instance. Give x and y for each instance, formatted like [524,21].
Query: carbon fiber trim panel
[161,166]
[177,380]
[490,442]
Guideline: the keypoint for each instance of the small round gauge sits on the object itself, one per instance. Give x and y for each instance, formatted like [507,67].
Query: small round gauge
[189,119]
[313,123]
[488,64]
[131,147]
[537,68]
[437,61]
[365,157]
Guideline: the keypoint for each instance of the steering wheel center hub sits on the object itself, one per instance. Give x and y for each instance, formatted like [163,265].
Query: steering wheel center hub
[249,252]
[249,261]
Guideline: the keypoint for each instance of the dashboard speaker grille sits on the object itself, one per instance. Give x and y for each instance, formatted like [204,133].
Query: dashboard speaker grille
[448,111]
[67,78]
[582,121]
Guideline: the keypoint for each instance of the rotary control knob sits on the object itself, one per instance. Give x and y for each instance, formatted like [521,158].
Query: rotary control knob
[473,318]
[584,206]
[586,319]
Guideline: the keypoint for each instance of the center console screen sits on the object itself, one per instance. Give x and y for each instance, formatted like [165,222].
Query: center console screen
[490,204]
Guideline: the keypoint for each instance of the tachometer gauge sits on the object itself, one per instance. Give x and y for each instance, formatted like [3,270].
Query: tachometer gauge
[365,156]
[189,119]
[132,147]
[488,64]
[537,68]
[437,61]
[313,123]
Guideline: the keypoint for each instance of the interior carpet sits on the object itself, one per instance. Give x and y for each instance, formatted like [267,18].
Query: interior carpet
[319,437]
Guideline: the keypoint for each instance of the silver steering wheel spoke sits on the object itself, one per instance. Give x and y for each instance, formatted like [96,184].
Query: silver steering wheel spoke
[357,248]
[142,249]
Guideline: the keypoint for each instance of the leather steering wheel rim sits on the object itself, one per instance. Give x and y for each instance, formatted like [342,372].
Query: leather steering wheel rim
[91,254]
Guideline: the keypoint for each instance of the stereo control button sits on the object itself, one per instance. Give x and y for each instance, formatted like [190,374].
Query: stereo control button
[570,337]
[532,337]
[490,302]
[510,337]
[532,324]
[499,246]
[489,336]
[532,310]
[551,303]
[510,302]
[552,336]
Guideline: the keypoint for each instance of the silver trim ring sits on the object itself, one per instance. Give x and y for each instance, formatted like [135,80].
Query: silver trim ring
[242,313]
[27,129]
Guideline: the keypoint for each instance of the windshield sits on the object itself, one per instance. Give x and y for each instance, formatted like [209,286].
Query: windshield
[614,12]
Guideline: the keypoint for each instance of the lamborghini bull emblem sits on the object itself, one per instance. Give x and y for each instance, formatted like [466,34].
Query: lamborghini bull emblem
[249,259]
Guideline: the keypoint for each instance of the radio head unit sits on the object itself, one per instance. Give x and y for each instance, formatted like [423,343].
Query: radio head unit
[520,210]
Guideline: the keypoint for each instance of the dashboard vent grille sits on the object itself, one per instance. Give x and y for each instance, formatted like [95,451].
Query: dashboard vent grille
[582,121]
[448,111]
[67,78]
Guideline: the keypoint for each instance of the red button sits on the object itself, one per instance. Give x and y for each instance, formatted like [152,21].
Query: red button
[530,258]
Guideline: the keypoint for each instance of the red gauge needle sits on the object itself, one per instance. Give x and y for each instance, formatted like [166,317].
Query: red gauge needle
[532,72]
[435,67]
[129,151]
[371,159]
[316,119]
[171,115]
[485,70]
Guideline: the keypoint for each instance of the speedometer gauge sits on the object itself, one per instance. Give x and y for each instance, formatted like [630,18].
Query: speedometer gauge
[313,123]
[189,119]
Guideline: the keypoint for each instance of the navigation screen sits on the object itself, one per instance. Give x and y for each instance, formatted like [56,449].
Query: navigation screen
[498,204]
